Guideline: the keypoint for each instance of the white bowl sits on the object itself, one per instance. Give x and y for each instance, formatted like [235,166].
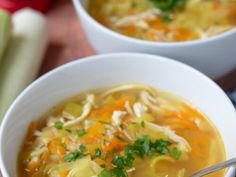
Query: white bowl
[106,70]
[215,56]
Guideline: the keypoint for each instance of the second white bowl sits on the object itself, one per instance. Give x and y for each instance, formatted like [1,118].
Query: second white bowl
[214,56]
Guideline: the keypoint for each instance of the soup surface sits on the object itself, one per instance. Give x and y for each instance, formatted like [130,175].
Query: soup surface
[165,20]
[122,131]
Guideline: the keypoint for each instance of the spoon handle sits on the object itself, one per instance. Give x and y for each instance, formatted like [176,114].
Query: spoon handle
[214,168]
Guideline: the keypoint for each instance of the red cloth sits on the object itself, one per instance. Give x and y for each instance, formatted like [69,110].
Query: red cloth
[14,5]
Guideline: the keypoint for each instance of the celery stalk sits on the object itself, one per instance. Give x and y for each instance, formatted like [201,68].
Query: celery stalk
[5,30]
[23,57]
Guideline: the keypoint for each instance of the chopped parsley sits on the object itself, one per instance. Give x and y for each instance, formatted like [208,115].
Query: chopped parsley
[98,153]
[81,132]
[161,146]
[142,124]
[176,153]
[123,161]
[168,7]
[82,148]
[105,173]
[58,125]
[73,156]
[119,172]
[144,143]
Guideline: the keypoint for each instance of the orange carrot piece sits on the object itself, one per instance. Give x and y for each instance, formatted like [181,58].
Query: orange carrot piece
[108,110]
[95,129]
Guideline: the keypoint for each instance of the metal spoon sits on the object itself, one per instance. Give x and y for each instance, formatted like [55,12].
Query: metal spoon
[214,168]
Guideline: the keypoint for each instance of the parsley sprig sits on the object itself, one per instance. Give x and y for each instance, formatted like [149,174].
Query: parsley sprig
[141,147]
[168,7]
[121,162]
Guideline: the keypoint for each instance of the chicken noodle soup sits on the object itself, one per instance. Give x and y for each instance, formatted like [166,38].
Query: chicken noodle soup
[122,131]
[165,20]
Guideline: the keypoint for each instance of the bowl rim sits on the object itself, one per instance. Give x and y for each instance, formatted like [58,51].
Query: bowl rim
[92,58]
[80,8]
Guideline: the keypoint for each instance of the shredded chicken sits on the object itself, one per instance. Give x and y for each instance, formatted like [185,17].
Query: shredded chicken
[67,115]
[128,108]
[149,100]
[147,15]
[86,110]
[51,121]
[139,109]
[127,135]
[130,170]
[110,131]
[117,116]
[182,143]
[38,152]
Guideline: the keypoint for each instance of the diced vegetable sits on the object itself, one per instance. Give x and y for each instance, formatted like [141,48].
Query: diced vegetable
[5,30]
[73,109]
[24,55]
[84,168]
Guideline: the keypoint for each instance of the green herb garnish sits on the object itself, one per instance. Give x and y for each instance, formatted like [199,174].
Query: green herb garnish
[72,156]
[105,173]
[58,125]
[141,147]
[142,124]
[168,7]
[81,132]
[82,148]
[176,153]
[98,153]
[119,172]
[161,146]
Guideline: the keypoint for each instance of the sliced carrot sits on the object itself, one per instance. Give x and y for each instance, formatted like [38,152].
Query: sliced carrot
[99,161]
[90,139]
[55,146]
[217,6]
[186,112]
[108,110]
[129,30]
[64,174]
[190,112]
[182,124]
[159,25]
[95,129]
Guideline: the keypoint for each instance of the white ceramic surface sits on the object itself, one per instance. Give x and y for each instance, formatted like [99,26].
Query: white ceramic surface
[215,56]
[106,70]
